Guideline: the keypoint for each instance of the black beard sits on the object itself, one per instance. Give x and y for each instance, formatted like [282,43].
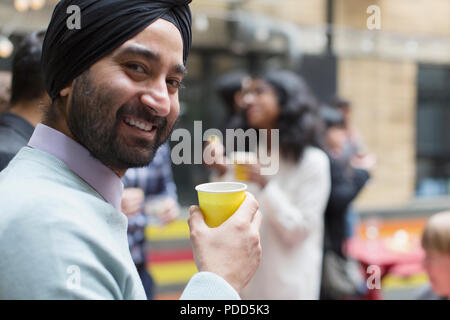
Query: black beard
[94,126]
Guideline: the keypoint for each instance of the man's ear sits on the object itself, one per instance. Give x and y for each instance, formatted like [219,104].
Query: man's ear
[66,91]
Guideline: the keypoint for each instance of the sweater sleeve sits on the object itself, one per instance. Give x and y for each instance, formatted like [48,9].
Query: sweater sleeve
[294,216]
[209,286]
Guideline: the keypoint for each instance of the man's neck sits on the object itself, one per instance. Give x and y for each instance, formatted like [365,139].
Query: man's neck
[29,111]
[60,126]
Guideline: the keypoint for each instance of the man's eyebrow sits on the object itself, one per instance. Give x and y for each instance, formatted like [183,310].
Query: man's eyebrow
[138,51]
[180,69]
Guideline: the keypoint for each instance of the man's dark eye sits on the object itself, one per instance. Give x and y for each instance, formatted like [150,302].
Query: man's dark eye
[135,67]
[175,84]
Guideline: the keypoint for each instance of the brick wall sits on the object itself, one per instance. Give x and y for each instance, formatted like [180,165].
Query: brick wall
[416,17]
[384,103]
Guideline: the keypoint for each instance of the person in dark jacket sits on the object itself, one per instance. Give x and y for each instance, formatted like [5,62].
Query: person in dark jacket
[347,180]
[27,94]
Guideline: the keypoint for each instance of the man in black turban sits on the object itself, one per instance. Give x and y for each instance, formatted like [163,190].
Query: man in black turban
[114,81]
[101,117]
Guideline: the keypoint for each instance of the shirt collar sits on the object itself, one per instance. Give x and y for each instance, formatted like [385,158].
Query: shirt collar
[80,161]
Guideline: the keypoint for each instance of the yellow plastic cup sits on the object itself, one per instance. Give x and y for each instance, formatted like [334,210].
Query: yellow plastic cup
[219,200]
[240,172]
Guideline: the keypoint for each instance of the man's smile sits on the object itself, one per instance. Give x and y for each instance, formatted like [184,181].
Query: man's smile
[143,128]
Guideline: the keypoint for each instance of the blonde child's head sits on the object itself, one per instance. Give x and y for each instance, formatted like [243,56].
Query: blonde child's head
[436,242]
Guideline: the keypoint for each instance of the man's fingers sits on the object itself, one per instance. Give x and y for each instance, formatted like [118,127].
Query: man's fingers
[248,208]
[257,220]
[196,221]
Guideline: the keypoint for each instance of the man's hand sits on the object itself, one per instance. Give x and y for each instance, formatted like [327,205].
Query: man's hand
[132,201]
[232,250]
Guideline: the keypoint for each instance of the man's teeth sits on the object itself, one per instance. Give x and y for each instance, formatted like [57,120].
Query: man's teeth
[138,124]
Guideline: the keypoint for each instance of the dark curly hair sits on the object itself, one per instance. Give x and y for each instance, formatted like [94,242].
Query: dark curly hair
[299,121]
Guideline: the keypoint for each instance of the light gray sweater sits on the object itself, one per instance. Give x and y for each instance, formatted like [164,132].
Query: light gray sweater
[59,239]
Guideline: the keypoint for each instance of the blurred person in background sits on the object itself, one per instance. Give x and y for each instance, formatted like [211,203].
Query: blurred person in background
[293,200]
[5,90]
[28,94]
[229,88]
[353,145]
[149,197]
[436,243]
[340,277]
[353,151]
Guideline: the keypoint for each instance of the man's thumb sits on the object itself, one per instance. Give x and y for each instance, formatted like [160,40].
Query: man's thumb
[196,219]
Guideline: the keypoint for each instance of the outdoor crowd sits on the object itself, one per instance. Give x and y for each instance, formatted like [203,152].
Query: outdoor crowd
[306,207]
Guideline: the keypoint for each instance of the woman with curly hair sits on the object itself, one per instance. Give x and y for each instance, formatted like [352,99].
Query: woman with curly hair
[293,200]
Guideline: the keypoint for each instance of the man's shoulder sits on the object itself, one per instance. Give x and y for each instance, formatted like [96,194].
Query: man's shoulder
[26,199]
[26,196]
[35,174]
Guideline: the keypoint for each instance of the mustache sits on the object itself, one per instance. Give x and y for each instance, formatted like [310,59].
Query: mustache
[142,112]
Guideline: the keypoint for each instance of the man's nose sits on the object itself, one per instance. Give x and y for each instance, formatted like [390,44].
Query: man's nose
[157,98]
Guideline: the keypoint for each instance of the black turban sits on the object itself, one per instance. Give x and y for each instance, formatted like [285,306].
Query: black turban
[105,26]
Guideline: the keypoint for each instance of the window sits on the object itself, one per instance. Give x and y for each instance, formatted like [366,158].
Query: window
[433,131]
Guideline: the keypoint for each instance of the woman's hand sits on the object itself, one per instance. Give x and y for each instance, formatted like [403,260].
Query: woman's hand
[214,157]
[366,162]
[254,174]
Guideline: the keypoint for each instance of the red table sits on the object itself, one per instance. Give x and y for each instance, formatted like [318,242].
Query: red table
[386,257]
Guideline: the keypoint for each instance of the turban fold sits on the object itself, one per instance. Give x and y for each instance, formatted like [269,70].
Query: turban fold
[105,26]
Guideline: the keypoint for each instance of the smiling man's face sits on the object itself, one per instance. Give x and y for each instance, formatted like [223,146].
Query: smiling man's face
[125,106]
